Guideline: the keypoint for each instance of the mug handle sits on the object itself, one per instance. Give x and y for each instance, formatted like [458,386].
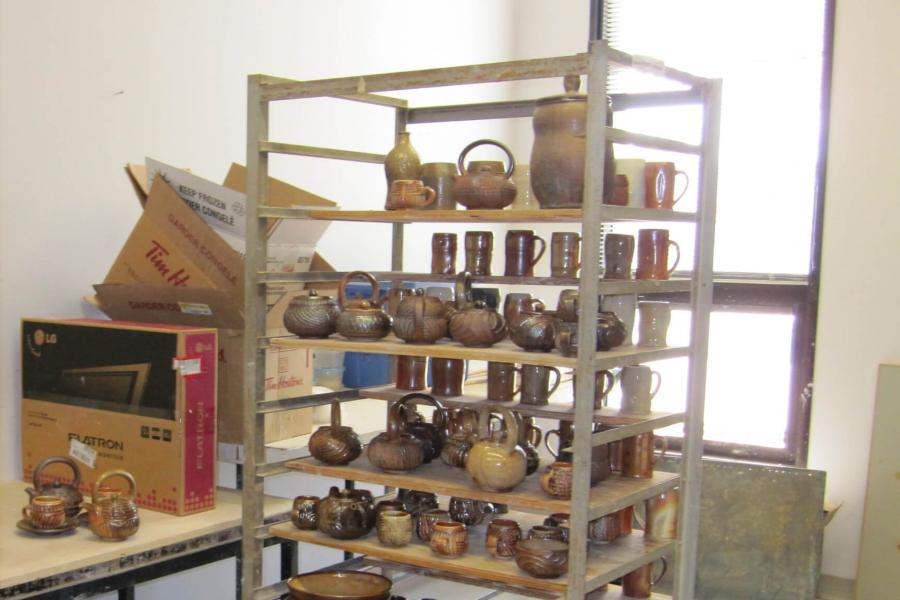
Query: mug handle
[431,196]
[547,445]
[658,383]
[677,256]
[557,382]
[662,573]
[687,182]
[543,242]
[665,448]
[518,389]
[26,512]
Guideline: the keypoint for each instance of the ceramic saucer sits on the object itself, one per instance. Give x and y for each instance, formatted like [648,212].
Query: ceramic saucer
[26,525]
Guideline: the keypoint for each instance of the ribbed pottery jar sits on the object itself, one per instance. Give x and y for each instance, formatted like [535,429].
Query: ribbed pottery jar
[311,316]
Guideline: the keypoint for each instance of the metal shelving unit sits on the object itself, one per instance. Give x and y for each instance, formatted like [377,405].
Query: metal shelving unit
[586,571]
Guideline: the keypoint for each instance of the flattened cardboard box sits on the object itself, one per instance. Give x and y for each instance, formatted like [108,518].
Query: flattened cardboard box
[142,397]
[175,269]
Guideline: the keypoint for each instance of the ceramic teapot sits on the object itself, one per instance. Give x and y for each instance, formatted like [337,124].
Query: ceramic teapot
[69,493]
[534,329]
[335,444]
[497,465]
[113,515]
[311,316]
[346,514]
[473,323]
[430,434]
[610,334]
[484,184]
[395,449]
[420,319]
[361,320]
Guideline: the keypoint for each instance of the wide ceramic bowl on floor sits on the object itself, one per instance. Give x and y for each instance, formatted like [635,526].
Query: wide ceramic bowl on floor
[339,585]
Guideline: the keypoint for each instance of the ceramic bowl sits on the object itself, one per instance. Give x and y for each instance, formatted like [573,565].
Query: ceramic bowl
[339,585]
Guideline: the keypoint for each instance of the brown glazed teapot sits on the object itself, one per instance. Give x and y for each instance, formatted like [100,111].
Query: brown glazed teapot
[420,319]
[497,465]
[484,184]
[111,514]
[335,444]
[474,324]
[534,329]
[69,493]
[529,439]
[361,320]
[395,449]
[346,514]
[430,434]
[311,316]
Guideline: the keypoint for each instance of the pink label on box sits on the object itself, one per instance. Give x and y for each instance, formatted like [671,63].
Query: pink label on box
[200,423]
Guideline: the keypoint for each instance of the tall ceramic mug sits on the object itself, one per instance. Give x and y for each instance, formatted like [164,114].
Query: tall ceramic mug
[411,372]
[638,389]
[443,253]
[659,182]
[633,169]
[653,254]
[501,381]
[624,307]
[520,252]
[662,515]
[637,455]
[479,248]
[536,388]
[447,376]
[618,252]
[654,323]
[565,254]
[440,177]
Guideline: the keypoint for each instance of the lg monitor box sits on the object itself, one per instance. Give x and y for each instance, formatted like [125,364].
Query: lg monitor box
[115,395]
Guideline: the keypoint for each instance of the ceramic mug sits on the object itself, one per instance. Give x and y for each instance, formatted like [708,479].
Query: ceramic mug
[633,169]
[479,248]
[556,480]
[501,381]
[525,198]
[618,252]
[409,193]
[638,389]
[520,252]
[443,253]
[659,185]
[639,583]
[604,382]
[394,527]
[536,388]
[411,371]
[440,177]
[46,512]
[653,254]
[638,455]
[565,254]
[502,537]
[427,519]
[662,515]
[449,539]
[515,302]
[548,532]
[654,323]
[623,306]
[605,530]
[447,376]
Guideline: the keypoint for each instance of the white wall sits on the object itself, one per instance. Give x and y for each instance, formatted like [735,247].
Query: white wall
[858,317]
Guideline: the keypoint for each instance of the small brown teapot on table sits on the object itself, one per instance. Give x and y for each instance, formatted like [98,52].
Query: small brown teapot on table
[497,465]
[420,319]
[395,449]
[474,324]
[346,514]
[311,316]
[113,515]
[485,184]
[430,434]
[69,493]
[361,320]
[335,444]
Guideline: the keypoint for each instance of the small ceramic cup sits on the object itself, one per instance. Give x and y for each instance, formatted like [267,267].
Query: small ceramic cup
[425,522]
[394,527]
[547,532]
[45,512]
[502,537]
[556,480]
[449,539]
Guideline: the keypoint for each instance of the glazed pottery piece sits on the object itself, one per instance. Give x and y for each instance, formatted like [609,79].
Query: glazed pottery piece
[443,253]
[548,532]
[600,463]
[618,252]
[395,450]
[114,515]
[525,199]
[25,524]
[559,521]
[361,320]
[474,324]
[638,455]
[544,559]
[430,434]
[534,330]
[520,252]
[497,465]
[604,381]
[420,319]
[611,333]
[624,307]
[479,247]
[662,515]
[654,324]
[659,185]
[46,512]
[449,539]
[339,585]
[565,254]
[402,162]
[484,184]
[411,372]
[502,537]
[69,493]
[440,177]
[556,479]
[335,444]
[395,504]
[633,170]
[637,389]
[605,530]
[409,194]
[567,306]
[311,316]
[394,527]
[416,502]
[346,514]
[447,376]
[536,388]
[530,436]
[640,582]
[303,512]
[469,512]
[501,381]
[427,519]
[653,254]
[515,303]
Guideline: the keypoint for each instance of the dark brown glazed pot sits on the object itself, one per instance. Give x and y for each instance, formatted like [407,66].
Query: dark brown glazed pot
[447,375]
[610,334]
[69,493]
[335,444]
[534,331]
[311,316]
[426,521]
[395,450]
[469,512]
[548,532]
[430,434]
[346,514]
[303,512]
[477,327]
[456,449]
[411,372]
[339,585]
[484,184]
[420,319]
[361,320]
[529,438]
[502,538]
[543,558]
[416,502]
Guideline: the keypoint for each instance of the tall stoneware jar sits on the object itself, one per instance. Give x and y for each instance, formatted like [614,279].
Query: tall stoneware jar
[402,162]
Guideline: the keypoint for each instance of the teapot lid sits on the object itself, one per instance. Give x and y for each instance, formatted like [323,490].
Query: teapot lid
[432,306]
[312,298]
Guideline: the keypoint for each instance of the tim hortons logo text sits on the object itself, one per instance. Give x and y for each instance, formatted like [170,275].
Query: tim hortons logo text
[157,257]
[97,442]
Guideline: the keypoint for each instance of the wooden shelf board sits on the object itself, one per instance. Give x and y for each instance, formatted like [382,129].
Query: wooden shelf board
[552,215]
[607,496]
[605,563]
[555,410]
[504,351]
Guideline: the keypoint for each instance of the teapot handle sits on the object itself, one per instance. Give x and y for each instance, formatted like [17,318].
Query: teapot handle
[439,420]
[462,290]
[476,143]
[512,431]
[132,485]
[39,470]
[547,445]
[335,416]
[342,288]
[395,425]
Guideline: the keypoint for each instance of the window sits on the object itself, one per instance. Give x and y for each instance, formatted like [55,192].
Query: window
[774,59]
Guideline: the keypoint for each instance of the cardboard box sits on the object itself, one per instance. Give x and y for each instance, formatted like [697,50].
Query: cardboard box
[174,268]
[123,396]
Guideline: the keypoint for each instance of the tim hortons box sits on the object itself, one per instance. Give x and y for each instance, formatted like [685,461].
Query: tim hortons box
[117,395]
